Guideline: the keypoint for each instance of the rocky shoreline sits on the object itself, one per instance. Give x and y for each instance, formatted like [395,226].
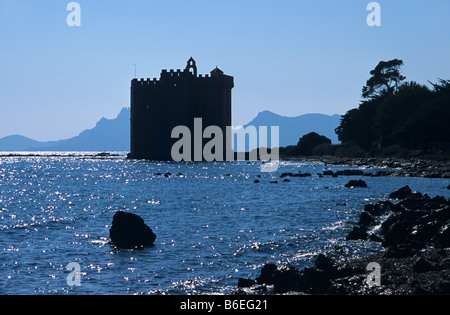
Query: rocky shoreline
[414,230]
[398,167]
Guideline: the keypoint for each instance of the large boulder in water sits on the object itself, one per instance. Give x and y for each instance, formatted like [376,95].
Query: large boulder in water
[129,231]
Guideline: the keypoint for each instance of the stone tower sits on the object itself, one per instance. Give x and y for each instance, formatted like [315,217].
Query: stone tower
[175,99]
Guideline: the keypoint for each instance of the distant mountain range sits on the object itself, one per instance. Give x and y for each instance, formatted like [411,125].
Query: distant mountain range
[293,128]
[114,134]
[107,135]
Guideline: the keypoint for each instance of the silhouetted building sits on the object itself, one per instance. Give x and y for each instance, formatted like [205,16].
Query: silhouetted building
[158,106]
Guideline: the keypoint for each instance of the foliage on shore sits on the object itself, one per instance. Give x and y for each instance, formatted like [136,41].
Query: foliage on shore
[393,119]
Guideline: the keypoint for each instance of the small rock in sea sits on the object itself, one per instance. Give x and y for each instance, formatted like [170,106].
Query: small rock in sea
[448,187]
[286,180]
[129,231]
[356,183]
[274,182]
[256,181]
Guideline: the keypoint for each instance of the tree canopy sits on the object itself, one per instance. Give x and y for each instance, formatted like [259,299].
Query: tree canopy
[385,79]
[409,115]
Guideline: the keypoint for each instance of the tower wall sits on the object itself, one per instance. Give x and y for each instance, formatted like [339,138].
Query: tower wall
[158,106]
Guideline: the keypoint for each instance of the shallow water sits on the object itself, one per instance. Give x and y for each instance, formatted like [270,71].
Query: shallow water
[213,224]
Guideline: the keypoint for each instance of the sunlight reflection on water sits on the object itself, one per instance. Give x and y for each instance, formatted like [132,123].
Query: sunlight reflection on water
[213,223]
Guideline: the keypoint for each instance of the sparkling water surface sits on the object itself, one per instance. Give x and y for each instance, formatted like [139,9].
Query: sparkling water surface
[213,223]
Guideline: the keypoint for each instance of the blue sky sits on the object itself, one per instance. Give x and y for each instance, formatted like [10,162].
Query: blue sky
[288,56]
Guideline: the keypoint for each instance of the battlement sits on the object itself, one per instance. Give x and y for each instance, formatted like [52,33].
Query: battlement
[147,81]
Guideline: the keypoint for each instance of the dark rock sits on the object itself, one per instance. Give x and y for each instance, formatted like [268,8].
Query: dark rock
[349,271]
[382,208]
[444,287]
[256,181]
[398,234]
[419,290]
[287,278]
[422,265]
[245,283]
[326,264]
[401,193]
[357,234]
[266,275]
[415,201]
[445,264]
[375,238]
[399,252]
[448,187]
[366,219]
[356,183]
[328,172]
[129,231]
[299,174]
[443,237]
[315,280]
[425,232]
[274,182]
[350,173]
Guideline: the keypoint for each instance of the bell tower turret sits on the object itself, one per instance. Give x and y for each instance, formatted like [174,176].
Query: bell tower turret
[191,67]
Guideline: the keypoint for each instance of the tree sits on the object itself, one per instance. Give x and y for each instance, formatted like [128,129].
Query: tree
[399,116]
[385,79]
[308,142]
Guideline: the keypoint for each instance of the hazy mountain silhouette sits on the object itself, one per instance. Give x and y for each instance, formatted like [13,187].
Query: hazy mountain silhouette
[114,134]
[293,128]
[21,143]
[107,135]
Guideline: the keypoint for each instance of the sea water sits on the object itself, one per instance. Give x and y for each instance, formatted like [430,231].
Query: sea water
[213,223]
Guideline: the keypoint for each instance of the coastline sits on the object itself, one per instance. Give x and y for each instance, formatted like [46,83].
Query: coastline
[406,167]
[414,232]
